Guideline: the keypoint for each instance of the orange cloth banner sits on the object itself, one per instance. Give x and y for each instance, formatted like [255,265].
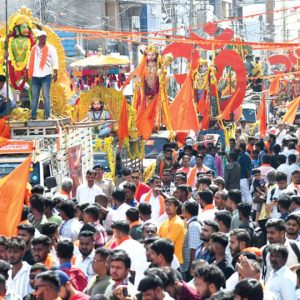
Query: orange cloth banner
[123,124]
[12,193]
[290,115]
[145,120]
[182,110]
[261,116]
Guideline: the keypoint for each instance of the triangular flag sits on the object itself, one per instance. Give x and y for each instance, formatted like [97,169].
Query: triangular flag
[290,115]
[226,114]
[123,123]
[182,110]
[12,193]
[145,120]
[274,86]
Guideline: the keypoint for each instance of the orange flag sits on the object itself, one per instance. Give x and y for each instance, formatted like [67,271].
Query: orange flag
[275,86]
[12,193]
[182,110]
[140,71]
[145,120]
[4,128]
[290,115]
[123,124]
[226,114]
[261,116]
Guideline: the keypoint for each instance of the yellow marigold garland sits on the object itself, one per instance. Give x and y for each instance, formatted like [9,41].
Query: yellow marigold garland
[149,172]
[138,150]
[19,66]
[106,145]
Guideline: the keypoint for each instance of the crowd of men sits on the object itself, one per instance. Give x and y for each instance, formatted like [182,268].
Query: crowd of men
[204,226]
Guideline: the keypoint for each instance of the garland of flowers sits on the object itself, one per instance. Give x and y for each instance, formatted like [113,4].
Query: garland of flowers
[19,66]
[107,145]
[149,172]
[138,152]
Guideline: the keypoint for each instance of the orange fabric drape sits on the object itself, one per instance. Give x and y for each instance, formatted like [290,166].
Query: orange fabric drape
[145,120]
[140,71]
[123,124]
[261,116]
[275,86]
[290,115]
[182,110]
[161,202]
[32,58]
[191,176]
[12,193]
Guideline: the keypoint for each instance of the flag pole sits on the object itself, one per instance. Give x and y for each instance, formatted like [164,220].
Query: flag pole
[6,54]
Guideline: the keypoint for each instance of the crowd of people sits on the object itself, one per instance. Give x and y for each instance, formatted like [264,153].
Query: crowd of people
[204,226]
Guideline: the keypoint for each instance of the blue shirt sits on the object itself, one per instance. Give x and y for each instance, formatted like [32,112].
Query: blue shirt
[209,161]
[245,163]
[205,254]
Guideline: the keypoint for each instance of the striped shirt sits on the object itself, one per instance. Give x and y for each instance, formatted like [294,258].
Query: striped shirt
[19,286]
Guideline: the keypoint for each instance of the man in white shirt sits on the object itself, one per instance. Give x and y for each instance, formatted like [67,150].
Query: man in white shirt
[121,206]
[274,194]
[6,102]
[294,186]
[42,62]
[133,248]
[280,134]
[86,249]
[18,284]
[282,281]
[87,192]
[276,235]
[207,206]
[156,200]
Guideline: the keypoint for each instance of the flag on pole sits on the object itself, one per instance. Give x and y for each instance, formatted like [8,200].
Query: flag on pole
[290,115]
[12,193]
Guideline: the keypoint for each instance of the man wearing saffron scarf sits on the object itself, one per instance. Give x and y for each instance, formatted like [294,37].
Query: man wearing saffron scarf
[41,69]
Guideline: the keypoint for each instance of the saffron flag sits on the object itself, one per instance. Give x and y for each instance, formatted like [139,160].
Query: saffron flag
[261,116]
[145,120]
[123,124]
[226,114]
[4,128]
[182,110]
[290,115]
[12,193]
[275,86]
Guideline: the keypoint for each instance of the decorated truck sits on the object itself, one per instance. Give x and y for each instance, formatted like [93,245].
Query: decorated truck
[58,149]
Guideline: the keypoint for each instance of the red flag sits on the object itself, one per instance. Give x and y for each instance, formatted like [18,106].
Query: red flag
[290,115]
[182,110]
[12,193]
[261,116]
[123,123]
[145,119]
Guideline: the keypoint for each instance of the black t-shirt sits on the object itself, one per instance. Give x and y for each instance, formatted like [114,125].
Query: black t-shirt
[226,268]
[28,257]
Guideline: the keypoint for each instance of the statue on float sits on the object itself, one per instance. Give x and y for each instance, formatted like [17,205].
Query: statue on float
[150,88]
[22,31]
